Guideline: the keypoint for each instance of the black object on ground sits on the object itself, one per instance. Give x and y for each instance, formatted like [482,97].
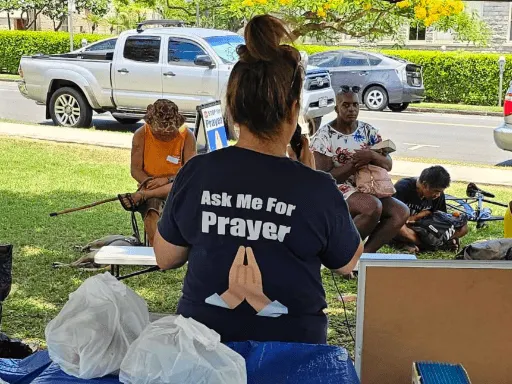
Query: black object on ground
[5,274]
[9,348]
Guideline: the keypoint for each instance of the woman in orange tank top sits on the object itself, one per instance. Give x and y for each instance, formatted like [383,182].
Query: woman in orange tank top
[159,149]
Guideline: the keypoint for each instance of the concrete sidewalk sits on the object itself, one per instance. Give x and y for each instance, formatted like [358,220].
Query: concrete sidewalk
[124,140]
[68,135]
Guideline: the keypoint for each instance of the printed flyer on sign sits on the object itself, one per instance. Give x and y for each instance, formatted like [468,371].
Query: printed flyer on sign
[213,122]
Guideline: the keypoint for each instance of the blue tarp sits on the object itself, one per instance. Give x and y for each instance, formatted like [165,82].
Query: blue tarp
[291,363]
[267,363]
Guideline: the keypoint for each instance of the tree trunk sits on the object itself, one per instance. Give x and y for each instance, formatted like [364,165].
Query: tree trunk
[58,26]
[9,19]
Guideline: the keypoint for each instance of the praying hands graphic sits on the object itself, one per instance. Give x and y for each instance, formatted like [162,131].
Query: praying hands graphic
[245,283]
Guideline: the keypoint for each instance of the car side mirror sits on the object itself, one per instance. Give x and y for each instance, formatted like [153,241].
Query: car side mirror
[204,61]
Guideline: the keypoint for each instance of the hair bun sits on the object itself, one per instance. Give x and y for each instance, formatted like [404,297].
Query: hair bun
[263,37]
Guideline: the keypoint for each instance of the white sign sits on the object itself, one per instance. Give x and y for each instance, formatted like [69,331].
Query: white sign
[213,122]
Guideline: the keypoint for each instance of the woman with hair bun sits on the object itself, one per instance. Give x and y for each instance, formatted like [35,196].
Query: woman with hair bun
[254,225]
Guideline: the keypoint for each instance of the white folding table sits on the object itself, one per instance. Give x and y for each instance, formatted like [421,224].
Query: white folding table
[116,256]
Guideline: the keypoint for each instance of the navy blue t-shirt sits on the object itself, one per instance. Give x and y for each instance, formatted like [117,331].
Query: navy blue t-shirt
[258,228]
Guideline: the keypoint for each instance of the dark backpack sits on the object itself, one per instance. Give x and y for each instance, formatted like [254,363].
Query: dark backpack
[499,249]
[435,231]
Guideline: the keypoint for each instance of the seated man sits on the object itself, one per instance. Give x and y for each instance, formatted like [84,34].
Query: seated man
[160,148]
[342,148]
[423,196]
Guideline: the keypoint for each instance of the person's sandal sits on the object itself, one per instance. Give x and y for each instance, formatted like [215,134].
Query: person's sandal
[128,196]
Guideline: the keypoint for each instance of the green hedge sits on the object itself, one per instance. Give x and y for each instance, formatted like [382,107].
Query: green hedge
[452,77]
[14,44]
[449,77]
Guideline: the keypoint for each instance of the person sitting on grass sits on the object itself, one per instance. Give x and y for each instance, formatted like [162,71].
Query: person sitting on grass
[423,196]
[159,149]
[341,148]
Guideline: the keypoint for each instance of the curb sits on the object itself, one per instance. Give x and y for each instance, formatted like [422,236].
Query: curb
[9,80]
[454,112]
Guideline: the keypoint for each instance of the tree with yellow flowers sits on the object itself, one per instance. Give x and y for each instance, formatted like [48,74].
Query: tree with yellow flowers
[368,19]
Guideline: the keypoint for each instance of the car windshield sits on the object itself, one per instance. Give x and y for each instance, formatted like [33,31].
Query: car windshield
[225,47]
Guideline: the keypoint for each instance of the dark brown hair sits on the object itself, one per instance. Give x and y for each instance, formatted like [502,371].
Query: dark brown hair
[267,79]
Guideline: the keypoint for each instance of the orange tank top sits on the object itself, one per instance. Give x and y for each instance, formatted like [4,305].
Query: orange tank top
[163,158]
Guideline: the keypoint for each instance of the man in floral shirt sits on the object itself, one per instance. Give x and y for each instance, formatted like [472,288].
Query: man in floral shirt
[341,148]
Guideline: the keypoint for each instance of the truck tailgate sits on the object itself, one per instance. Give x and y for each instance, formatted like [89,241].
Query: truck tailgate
[92,76]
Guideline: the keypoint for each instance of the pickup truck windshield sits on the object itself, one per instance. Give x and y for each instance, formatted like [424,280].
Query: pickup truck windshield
[225,47]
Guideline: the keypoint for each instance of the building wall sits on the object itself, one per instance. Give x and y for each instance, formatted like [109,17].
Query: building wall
[497,14]
[80,24]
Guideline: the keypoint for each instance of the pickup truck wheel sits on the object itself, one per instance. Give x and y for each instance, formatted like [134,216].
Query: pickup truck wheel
[126,121]
[69,108]
[398,107]
[376,98]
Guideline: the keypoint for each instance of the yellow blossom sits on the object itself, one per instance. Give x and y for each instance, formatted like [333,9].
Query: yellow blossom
[421,13]
[320,12]
[285,2]
[367,6]
[247,3]
[404,4]
[327,6]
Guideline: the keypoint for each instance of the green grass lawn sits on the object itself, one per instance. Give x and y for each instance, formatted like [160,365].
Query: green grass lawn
[6,76]
[41,177]
[459,107]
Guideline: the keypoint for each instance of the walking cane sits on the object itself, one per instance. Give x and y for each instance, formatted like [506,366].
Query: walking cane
[84,207]
[53,214]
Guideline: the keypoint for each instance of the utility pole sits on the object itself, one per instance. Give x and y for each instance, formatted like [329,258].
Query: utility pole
[71,5]
[198,17]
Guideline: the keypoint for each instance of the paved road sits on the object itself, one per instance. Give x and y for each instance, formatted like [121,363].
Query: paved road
[417,135]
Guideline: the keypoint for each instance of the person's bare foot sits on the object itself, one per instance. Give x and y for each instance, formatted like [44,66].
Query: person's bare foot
[134,200]
[410,248]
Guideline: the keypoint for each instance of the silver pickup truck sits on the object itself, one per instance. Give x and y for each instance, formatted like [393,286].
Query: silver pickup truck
[189,66]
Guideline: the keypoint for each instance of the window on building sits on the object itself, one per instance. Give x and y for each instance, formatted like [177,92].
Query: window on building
[417,32]
[142,48]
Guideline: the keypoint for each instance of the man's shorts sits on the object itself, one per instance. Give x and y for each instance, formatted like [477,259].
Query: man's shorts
[152,204]
[347,189]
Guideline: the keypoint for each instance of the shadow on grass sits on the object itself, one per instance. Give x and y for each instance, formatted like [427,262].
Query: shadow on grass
[106,123]
[39,290]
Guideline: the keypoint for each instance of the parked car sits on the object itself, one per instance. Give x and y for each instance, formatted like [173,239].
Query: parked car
[100,47]
[385,81]
[503,134]
[190,66]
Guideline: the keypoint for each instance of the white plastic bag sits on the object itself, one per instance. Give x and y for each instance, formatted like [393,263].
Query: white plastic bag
[91,334]
[176,350]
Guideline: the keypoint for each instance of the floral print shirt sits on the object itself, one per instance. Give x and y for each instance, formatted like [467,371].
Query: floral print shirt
[341,147]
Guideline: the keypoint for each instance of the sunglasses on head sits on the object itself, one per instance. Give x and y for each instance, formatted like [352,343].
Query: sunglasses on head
[347,89]
[298,67]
